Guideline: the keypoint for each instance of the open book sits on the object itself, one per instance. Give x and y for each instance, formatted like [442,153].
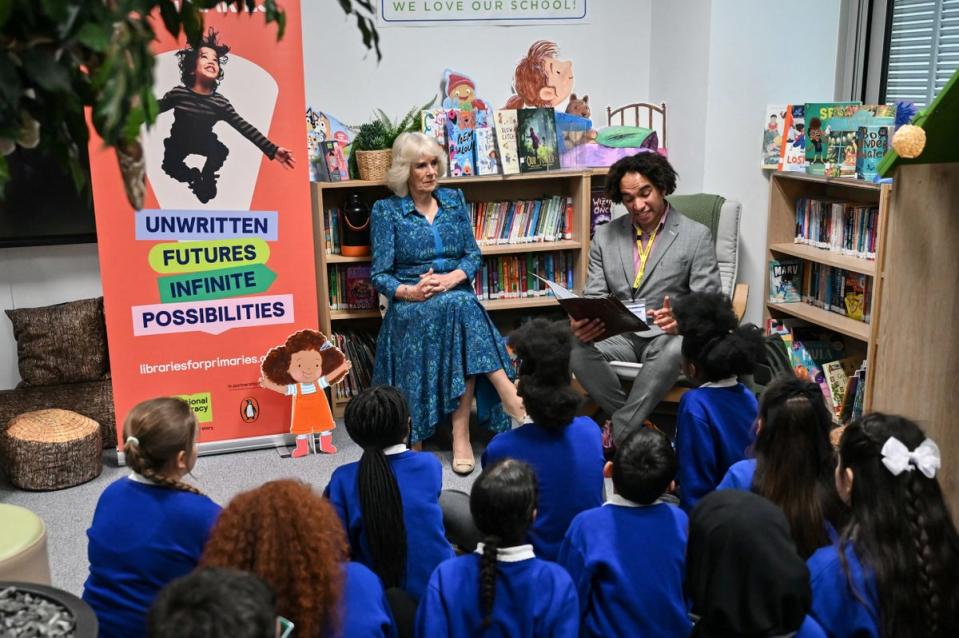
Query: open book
[615,315]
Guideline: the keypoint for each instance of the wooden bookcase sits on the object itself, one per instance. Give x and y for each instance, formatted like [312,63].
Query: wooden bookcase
[785,189]
[576,184]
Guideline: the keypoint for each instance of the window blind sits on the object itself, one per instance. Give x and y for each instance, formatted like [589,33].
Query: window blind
[923,49]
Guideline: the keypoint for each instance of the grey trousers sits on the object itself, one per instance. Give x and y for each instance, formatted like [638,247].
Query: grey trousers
[661,357]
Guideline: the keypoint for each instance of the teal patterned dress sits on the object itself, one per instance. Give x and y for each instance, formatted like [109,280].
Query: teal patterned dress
[427,349]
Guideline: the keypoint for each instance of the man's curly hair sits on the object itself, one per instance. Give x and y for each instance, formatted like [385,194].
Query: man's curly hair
[291,537]
[186,58]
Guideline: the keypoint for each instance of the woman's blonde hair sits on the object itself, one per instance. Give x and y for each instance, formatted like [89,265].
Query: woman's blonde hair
[155,432]
[407,149]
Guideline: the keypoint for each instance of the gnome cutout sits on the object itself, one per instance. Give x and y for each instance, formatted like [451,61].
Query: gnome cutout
[302,368]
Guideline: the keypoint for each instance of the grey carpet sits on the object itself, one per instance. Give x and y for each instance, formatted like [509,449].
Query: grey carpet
[67,513]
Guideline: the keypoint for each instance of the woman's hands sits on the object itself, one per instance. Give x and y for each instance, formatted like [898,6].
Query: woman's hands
[431,284]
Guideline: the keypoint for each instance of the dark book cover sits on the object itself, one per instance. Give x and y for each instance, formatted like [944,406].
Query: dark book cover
[536,140]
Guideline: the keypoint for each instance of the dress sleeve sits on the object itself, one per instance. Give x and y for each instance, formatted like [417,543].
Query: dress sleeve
[383,240]
[248,131]
[471,261]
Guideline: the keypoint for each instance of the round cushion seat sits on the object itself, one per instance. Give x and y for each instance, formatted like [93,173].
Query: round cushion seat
[23,546]
[51,449]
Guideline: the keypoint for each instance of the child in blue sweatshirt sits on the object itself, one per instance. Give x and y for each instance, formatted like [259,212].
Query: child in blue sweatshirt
[627,558]
[565,451]
[502,589]
[714,424]
[389,499]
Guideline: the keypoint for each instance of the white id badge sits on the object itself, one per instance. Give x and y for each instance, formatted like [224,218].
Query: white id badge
[638,308]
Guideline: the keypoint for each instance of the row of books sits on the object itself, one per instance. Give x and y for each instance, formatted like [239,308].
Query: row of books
[512,276]
[834,289]
[523,221]
[519,140]
[360,348]
[350,287]
[332,237]
[844,227]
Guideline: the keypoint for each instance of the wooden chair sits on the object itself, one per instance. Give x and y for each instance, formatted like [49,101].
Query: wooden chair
[636,109]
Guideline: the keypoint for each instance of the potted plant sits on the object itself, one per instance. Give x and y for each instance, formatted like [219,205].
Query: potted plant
[371,152]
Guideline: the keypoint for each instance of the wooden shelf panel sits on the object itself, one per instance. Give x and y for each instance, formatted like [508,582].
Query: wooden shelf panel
[343,259]
[819,316]
[353,314]
[828,257]
[465,181]
[832,181]
[534,247]
[492,305]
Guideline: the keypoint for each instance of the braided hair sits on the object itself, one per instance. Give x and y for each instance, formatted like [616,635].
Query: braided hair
[543,348]
[915,563]
[503,503]
[155,432]
[713,340]
[795,464]
[377,418]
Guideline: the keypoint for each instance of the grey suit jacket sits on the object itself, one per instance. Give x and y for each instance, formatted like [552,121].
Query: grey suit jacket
[683,260]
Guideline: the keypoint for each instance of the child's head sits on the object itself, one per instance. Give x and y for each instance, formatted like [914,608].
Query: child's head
[540,78]
[794,459]
[377,418]
[899,524]
[543,349]
[305,357]
[215,603]
[715,346]
[160,441]
[644,466]
[744,576]
[290,536]
[204,64]
[503,505]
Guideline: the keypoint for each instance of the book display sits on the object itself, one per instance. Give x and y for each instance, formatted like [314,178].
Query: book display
[528,226]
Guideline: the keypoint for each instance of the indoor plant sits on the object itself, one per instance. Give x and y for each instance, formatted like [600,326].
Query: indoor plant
[371,150]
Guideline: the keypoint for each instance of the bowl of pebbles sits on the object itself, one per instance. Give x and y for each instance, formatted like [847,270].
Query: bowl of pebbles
[29,610]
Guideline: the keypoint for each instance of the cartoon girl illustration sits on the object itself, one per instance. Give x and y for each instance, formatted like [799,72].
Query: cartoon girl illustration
[197,107]
[302,368]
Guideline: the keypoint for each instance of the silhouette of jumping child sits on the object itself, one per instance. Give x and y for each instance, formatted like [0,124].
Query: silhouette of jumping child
[197,107]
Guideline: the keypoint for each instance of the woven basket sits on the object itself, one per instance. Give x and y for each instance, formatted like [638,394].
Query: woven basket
[51,449]
[374,164]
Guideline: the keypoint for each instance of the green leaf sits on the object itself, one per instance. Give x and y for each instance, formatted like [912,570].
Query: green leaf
[43,68]
[135,120]
[4,175]
[56,10]
[6,8]
[95,36]
[9,81]
[171,19]
[192,23]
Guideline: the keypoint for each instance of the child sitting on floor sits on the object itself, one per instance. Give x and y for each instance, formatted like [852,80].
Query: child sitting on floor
[714,424]
[389,499]
[564,450]
[150,527]
[502,589]
[627,558]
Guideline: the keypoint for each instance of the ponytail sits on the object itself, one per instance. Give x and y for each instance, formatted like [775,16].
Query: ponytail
[156,431]
[382,511]
[487,588]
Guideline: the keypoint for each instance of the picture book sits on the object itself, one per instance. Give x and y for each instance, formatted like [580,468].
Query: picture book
[359,290]
[855,289]
[335,161]
[601,210]
[504,121]
[828,126]
[837,379]
[773,136]
[536,140]
[785,280]
[792,155]
[461,142]
[322,127]
[872,143]
[433,123]
[486,160]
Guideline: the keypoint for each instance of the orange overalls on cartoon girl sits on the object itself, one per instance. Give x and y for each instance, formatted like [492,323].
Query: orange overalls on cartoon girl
[303,368]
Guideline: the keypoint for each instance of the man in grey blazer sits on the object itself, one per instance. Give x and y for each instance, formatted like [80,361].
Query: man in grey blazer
[644,258]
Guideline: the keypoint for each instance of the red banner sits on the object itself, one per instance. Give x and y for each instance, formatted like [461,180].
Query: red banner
[217,267]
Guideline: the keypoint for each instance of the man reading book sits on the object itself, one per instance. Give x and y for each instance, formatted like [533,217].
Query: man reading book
[643,259]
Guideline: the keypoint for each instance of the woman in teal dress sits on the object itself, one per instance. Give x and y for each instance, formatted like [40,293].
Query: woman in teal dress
[436,344]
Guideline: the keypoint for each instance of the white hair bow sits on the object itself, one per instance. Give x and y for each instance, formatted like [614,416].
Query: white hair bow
[897,458]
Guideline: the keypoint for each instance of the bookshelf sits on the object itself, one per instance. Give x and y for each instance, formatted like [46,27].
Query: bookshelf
[575,184]
[785,189]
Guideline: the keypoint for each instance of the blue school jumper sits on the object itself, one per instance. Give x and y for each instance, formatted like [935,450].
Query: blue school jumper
[834,606]
[714,426]
[628,561]
[419,477]
[364,611]
[739,476]
[533,597]
[143,536]
[569,471]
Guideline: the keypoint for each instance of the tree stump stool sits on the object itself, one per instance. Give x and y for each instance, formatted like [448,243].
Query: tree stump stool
[51,449]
